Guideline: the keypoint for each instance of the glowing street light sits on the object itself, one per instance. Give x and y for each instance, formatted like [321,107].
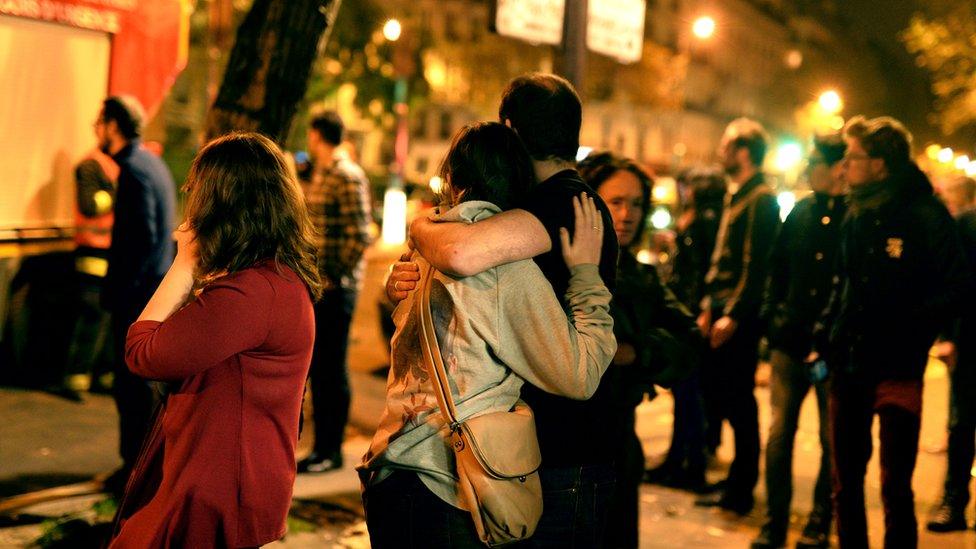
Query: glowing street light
[661,218]
[788,156]
[830,102]
[962,162]
[945,155]
[391,30]
[703,27]
[394,216]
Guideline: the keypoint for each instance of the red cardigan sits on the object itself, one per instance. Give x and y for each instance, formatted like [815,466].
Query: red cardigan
[219,465]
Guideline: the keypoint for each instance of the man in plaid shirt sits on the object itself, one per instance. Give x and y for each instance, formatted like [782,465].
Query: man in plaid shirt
[339,205]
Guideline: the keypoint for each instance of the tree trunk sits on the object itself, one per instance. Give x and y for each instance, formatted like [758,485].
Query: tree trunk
[267,74]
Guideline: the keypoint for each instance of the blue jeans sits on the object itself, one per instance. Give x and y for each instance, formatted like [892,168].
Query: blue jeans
[575,501]
[790,385]
[401,513]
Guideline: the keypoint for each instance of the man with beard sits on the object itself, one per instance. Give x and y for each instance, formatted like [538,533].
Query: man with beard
[140,254]
[801,271]
[729,316]
[901,277]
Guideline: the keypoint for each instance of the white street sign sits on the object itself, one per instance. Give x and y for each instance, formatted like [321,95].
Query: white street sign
[616,28]
[535,21]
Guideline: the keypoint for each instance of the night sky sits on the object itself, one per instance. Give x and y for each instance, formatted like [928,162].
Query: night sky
[909,95]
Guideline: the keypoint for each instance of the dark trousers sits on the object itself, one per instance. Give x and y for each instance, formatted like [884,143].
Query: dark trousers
[853,403]
[687,449]
[728,382]
[90,347]
[575,502]
[401,513]
[135,398]
[962,434]
[624,513]
[328,373]
[789,387]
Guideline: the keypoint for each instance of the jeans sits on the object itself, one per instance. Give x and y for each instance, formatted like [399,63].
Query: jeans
[962,435]
[789,387]
[402,513]
[728,382]
[328,373]
[575,501]
[687,449]
[623,518]
[853,403]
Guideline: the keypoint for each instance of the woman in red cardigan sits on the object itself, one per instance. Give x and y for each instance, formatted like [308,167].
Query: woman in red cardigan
[231,324]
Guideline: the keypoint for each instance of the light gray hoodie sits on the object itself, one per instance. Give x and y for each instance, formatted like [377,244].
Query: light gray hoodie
[496,330]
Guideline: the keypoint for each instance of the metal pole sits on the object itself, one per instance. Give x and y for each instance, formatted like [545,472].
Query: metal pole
[574,43]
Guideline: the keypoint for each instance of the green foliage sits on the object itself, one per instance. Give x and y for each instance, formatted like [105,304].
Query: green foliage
[945,44]
[357,53]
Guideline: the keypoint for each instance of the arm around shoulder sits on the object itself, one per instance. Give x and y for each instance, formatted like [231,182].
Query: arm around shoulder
[468,249]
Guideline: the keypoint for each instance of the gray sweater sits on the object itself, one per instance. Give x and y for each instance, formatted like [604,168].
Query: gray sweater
[496,330]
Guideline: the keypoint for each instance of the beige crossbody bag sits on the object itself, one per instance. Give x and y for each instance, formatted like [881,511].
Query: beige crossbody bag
[497,453]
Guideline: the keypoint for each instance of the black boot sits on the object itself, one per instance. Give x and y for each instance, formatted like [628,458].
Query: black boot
[816,534]
[947,518]
[769,537]
[320,462]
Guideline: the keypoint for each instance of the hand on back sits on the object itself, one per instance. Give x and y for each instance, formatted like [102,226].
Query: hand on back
[587,235]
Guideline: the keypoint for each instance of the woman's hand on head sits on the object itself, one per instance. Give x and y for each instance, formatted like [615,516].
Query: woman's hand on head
[588,234]
[186,247]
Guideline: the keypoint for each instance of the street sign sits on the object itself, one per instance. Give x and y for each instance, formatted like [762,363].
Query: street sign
[616,28]
[535,21]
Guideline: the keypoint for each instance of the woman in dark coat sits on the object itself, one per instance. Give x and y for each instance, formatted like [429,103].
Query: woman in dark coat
[218,467]
[657,339]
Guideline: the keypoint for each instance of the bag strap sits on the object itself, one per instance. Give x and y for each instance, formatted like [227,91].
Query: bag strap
[432,354]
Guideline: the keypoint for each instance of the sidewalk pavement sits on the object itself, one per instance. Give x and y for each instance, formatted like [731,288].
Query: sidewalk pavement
[47,441]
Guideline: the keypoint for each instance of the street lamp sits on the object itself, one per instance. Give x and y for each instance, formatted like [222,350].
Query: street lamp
[395,199]
[830,102]
[703,27]
[945,155]
[392,30]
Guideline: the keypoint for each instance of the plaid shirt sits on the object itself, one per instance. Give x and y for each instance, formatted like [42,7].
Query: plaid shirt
[339,205]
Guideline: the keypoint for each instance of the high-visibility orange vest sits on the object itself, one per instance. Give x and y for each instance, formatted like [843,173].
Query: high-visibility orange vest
[96,231]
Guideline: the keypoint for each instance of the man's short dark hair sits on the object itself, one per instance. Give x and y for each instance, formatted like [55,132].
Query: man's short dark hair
[749,134]
[547,114]
[828,148]
[882,137]
[126,112]
[329,127]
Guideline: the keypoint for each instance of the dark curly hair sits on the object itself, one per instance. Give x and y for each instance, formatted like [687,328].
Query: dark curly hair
[245,206]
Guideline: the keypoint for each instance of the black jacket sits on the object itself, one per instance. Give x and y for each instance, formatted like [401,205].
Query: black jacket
[801,270]
[964,332]
[648,316]
[142,242]
[902,277]
[694,254]
[736,281]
